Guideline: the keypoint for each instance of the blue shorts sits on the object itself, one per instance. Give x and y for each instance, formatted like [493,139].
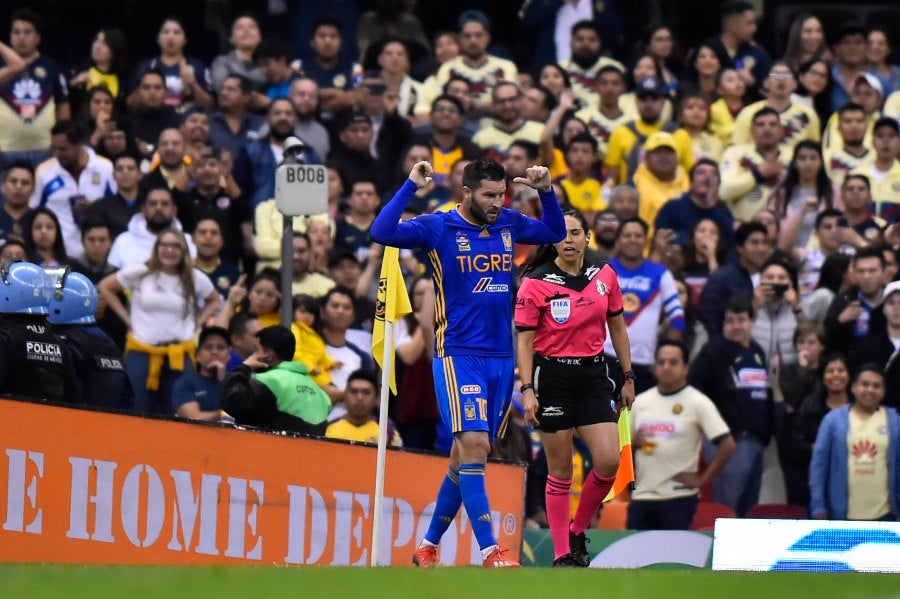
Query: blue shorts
[474,393]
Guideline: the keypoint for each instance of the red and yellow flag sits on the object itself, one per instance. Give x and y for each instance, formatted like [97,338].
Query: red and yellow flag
[625,473]
[391,305]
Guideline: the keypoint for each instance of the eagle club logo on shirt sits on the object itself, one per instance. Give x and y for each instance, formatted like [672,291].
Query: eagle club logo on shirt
[560,309]
[462,242]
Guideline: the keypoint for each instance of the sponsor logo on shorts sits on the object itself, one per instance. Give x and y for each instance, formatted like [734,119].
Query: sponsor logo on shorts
[470,389]
[560,310]
[552,411]
[485,286]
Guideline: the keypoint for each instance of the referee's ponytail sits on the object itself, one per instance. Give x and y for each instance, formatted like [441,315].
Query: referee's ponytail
[547,252]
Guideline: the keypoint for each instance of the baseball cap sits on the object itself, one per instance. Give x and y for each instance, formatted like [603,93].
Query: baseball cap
[872,81]
[891,288]
[651,86]
[660,139]
[473,15]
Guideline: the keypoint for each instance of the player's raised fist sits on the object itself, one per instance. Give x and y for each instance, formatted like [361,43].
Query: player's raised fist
[537,177]
[421,173]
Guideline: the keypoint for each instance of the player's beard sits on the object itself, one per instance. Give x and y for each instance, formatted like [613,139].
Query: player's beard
[482,217]
[585,60]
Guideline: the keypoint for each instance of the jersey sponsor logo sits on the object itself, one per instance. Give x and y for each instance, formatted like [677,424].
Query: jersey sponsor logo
[485,262]
[507,239]
[27,91]
[635,283]
[470,389]
[554,278]
[484,286]
[560,310]
[462,242]
[865,450]
[552,411]
[662,428]
[584,302]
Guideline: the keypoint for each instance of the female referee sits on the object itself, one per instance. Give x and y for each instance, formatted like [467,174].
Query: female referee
[562,311]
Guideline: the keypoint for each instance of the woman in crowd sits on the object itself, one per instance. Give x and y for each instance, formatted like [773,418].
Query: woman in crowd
[814,87]
[806,181]
[554,77]
[262,298]
[702,74]
[566,379]
[417,414]
[879,54]
[187,78]
[43,240]
[169,300]
[310,345]
[106,66]
[658,42]
[853,474]
[704,253]
[693,117]
[805,42]
[776,302]
[722,112]
[97,114]
[393,59]
[835,277]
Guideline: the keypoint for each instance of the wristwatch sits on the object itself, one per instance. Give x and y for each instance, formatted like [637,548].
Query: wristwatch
[629,375]
[526,387]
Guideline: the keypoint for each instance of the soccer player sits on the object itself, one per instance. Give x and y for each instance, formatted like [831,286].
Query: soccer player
[471,254]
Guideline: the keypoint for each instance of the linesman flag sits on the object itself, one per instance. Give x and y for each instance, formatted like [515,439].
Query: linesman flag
[625,473]
[392,304]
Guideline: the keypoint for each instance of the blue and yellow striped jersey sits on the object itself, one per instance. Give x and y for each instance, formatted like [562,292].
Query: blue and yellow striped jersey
[473,270]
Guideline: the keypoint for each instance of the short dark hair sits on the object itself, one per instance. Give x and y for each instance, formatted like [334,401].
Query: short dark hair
[763,112]
[868,367]
[155,73]
[777,259]
[550,101]
[504,83]
[739,304]
[128,155]
[270,48]
[869,252]
[859,177]
[327,22]
[213,331]
[735,8]
[673,343]
[530,148]
[363,375]
[448,98]
[610,69]
[280,340]
[850,107]
[302,235]
[827,213]
[73,131]
[586,24]
[630,221]
[94,223]
[29,16]
[19,164]
[245,84]
[703,161]
[482,169]
[238,323]
[455,78]
[583,138]
[886,121]
[743,233]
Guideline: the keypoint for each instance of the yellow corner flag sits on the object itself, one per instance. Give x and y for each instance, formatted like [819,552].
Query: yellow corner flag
[625,473]
[392,304]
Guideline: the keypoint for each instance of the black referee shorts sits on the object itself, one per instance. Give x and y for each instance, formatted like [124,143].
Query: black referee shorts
[574,392]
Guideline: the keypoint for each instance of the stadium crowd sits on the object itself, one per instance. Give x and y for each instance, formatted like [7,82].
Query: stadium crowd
[748,202]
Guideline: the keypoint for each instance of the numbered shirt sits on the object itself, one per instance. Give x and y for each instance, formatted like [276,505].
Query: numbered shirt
[568,313]
[57,190]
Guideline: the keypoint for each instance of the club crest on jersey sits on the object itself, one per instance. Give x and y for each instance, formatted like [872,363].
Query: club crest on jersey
[469,410]
[601,288]
[507,239]
[462,242]
[560,310]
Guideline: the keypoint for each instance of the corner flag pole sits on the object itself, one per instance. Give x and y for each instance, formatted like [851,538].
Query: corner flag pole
[386,370]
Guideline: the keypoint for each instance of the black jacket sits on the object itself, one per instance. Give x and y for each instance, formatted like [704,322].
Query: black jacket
[877,348]
[841,337]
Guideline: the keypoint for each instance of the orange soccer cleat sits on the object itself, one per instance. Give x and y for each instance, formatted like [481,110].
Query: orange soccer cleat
[425,557]
[498,559]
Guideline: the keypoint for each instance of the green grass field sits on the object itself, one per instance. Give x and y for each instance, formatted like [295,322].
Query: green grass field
[134,582]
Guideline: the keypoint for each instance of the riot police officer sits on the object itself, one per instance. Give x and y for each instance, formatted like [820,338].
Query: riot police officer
[33,358]
[97,361]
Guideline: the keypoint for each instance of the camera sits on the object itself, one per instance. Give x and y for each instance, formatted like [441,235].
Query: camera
[778,291]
